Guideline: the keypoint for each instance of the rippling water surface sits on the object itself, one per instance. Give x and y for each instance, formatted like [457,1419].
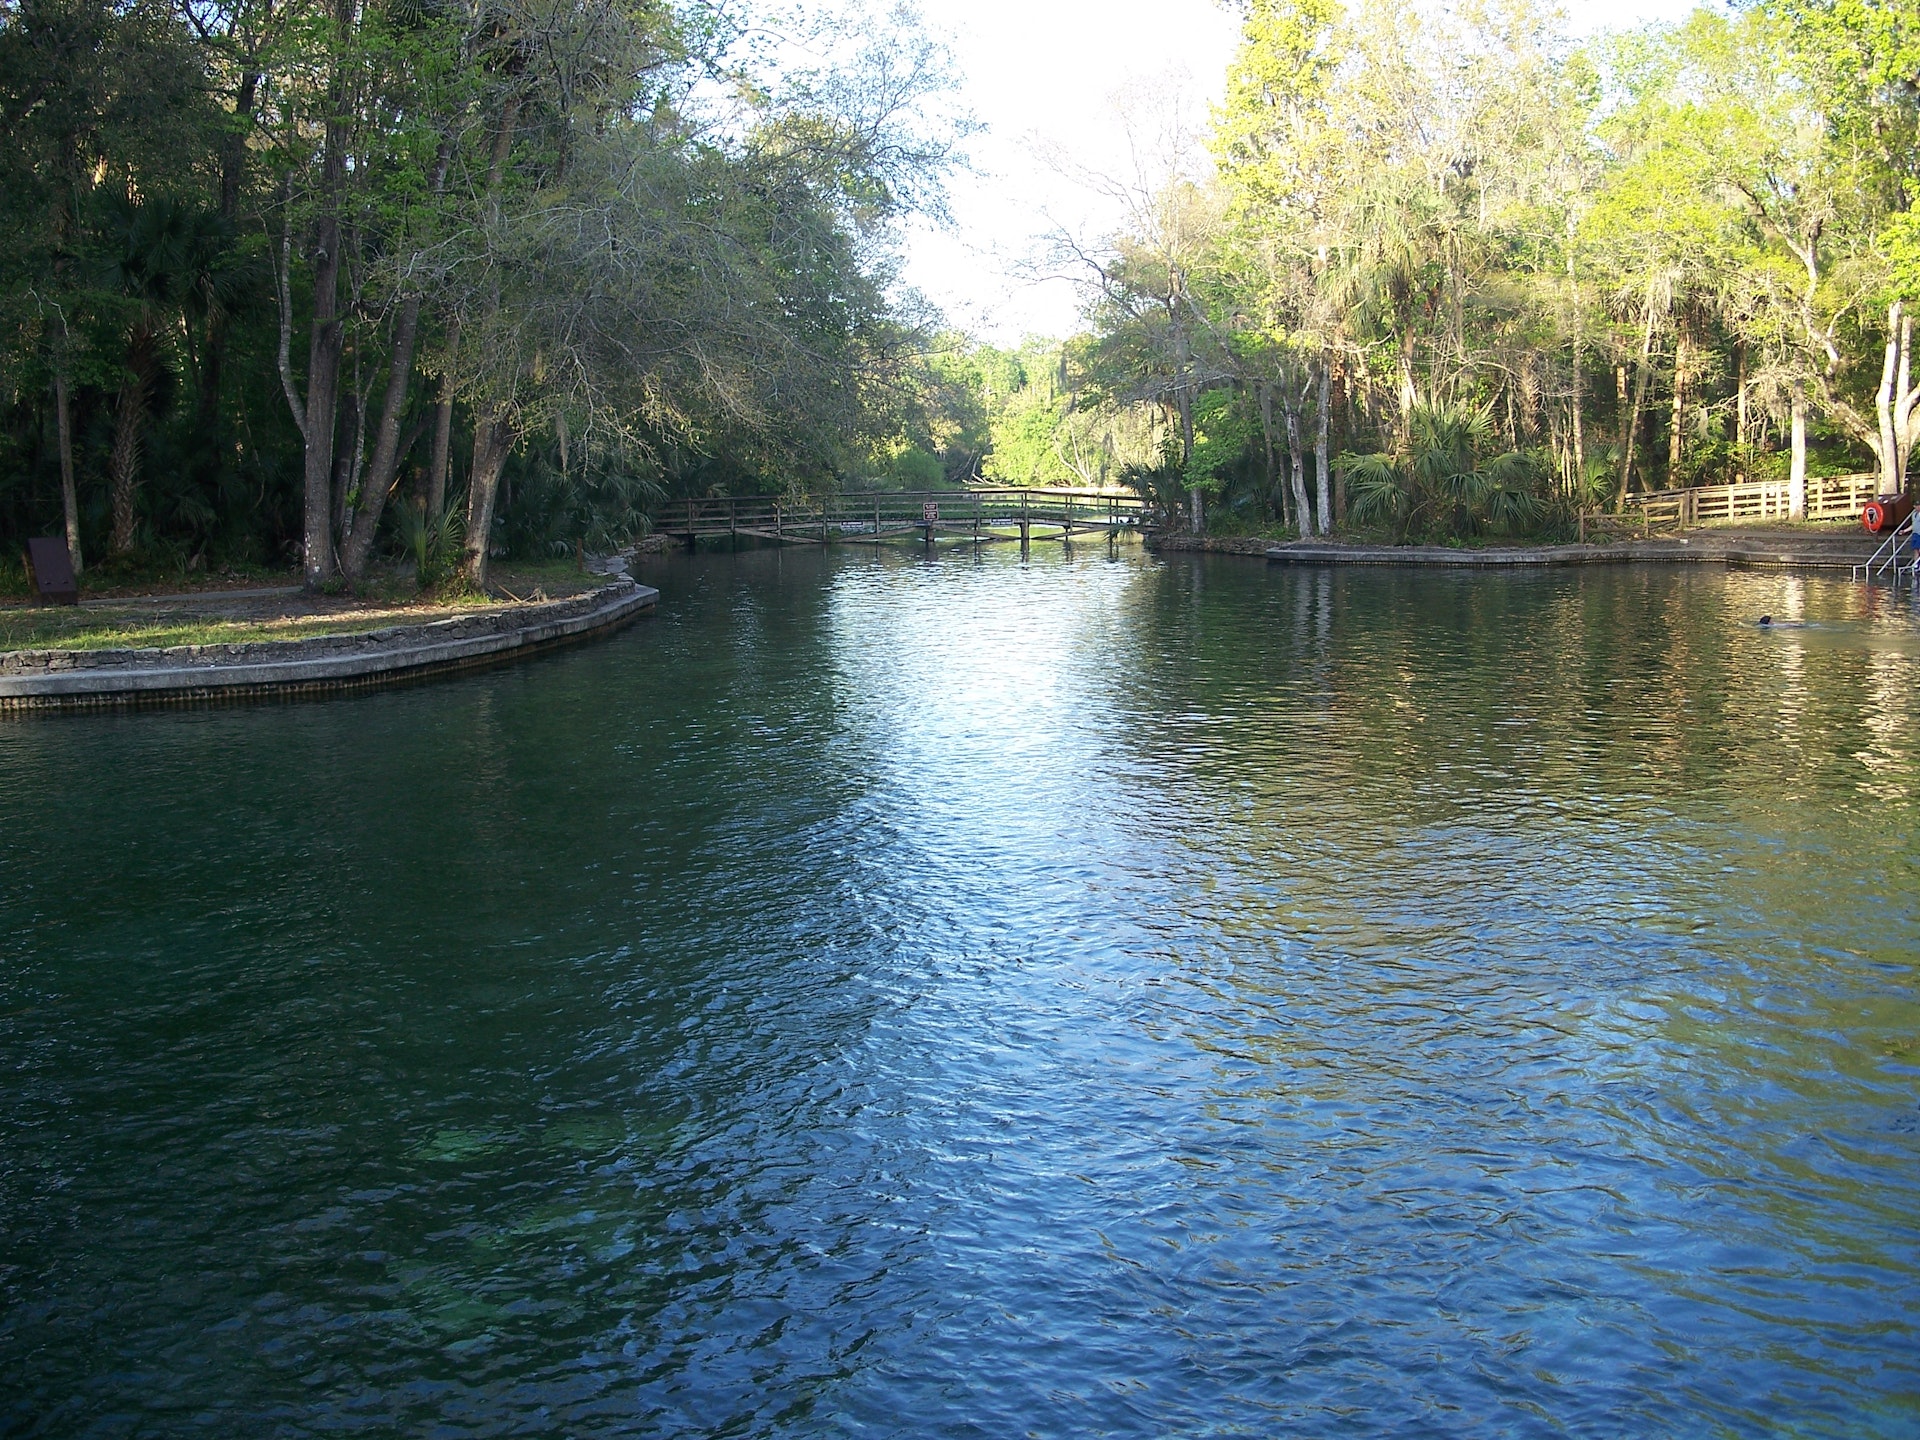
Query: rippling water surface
[964,998]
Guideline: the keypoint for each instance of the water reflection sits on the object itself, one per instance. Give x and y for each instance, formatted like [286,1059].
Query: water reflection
[968,996]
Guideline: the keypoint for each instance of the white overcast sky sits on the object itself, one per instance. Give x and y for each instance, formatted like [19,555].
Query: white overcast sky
[1048,69]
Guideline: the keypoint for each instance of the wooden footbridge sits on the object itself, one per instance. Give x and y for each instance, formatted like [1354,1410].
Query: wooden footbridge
[980,516]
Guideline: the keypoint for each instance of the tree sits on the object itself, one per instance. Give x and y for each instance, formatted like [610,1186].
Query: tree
[90,94]
[162,261]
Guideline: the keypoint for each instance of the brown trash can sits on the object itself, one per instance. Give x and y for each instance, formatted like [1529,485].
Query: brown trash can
[51,570]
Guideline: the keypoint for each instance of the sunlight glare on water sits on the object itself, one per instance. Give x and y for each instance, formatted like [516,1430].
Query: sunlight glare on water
[892,996]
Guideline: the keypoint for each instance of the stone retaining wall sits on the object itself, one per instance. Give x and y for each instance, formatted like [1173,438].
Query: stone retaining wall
[1831,552]
[91,679]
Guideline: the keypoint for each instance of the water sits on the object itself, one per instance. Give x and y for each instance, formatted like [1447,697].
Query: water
[1093,997]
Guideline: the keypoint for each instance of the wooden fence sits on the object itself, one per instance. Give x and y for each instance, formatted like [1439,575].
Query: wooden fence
[1831,497]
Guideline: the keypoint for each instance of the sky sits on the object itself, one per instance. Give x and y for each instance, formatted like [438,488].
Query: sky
[1041,75]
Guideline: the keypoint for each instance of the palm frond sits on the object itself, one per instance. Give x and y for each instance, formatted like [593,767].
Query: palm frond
[1376,490]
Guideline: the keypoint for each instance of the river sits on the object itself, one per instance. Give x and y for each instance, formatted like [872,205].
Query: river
[964,997]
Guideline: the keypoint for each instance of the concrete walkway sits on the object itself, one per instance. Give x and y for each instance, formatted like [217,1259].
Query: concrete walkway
[321,664]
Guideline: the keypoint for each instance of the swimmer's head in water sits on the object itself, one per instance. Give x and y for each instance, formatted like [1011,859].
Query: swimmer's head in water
[1766,619]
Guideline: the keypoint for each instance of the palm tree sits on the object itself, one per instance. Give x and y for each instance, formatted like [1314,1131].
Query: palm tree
[1437,479]
[1385,270]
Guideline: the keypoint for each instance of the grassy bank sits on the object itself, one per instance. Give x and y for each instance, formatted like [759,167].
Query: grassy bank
[214,615]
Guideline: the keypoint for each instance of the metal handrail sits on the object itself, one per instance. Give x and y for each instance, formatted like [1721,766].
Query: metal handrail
[1886,559]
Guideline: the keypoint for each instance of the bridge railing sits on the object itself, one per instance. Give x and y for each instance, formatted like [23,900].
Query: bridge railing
[898,510]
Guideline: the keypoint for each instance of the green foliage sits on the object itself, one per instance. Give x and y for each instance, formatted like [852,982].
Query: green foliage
[1378,492]
[1462,204]
[1276,88]
[432,542]
[1899,245]
[914,469]
[1026,409]
[1162,486]
[1224,435]
[708,306]
[555,510]
[1439,486]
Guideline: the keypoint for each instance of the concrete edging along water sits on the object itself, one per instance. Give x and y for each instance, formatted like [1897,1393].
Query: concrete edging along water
[1836,551]
[320,664]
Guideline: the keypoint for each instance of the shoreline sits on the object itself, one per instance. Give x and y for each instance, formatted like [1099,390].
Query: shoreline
[1737,548]
[43,681]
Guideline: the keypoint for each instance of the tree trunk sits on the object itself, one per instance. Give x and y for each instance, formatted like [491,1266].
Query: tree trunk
[62,356]
[386,449]
[1579,438]
[1196,502]
[130,414]
[1296,464]
[1630,427]
[493,434]
[1346,428]
[1266,437]
[1679,408]
[443,429]
[233,163]
[124,467]
[1884,402]
[1183,397]
[492,442]
[233,155]
[1797,474]
[1906,408]
[1408,394]
[69,495]
[340,485]
[323,380]
[1740,398]
[1620,408]
[329,328]
[1322,465]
